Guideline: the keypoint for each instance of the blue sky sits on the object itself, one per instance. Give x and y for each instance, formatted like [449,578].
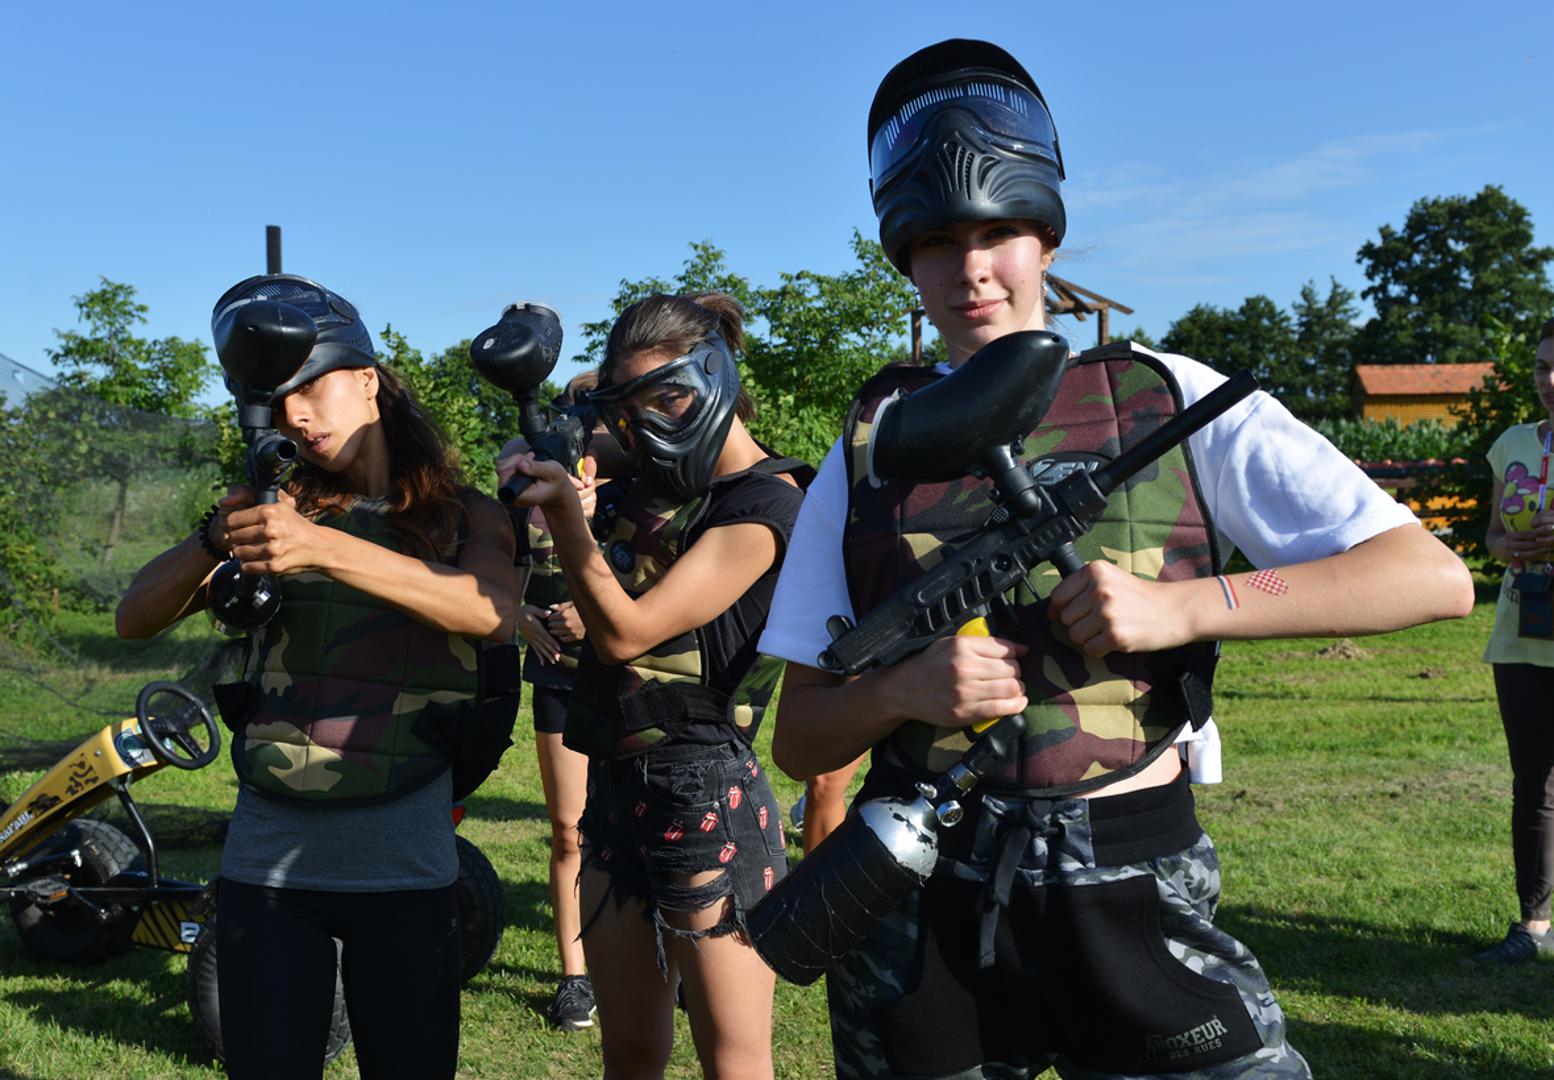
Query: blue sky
[434,164]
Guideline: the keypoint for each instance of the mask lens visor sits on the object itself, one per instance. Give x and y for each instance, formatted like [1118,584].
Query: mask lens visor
[664,401]
[1010,115]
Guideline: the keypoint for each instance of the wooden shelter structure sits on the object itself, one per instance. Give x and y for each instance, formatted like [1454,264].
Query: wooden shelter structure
[1063,298]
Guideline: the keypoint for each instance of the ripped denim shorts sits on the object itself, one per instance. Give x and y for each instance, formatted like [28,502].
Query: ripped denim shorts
[682,810]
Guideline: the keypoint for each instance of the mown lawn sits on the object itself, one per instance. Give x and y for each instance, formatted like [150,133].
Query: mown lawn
[1362,826]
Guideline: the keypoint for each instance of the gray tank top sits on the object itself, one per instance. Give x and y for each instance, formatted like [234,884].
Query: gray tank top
[405,843]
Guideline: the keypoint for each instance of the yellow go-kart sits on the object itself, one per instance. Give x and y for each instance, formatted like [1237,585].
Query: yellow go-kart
[81,890]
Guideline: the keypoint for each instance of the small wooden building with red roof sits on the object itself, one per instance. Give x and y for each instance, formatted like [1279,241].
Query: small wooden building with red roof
[1409,392]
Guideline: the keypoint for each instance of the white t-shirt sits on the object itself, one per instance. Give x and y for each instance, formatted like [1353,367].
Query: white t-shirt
[1276,491]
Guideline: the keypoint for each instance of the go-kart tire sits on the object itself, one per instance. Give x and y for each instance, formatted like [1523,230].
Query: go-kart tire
[205,1000]
[482,909]
[68,931]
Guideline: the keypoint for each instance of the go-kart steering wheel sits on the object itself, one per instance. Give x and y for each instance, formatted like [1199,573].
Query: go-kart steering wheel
[170,730]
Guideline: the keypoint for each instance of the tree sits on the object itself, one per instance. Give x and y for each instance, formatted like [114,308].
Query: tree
[809,341]
[825,334]
[111,364]
[706,270]
[477,417]
[1302,358]
[1324,340]
[1458,267]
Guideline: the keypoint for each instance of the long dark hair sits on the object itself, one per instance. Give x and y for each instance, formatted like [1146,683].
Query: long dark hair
[425,506]
[676,325]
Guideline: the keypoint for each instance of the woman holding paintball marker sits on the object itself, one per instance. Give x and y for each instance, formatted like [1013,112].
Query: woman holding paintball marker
[393,574]
[1521,535]
[680,832]
[554,631]
[1069,920]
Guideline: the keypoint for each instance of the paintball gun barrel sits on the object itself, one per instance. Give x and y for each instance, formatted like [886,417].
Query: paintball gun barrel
[260,344]
[517,355]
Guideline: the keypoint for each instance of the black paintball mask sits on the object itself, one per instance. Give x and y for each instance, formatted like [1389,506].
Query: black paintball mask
[673,421]
[959,132]
[343,340]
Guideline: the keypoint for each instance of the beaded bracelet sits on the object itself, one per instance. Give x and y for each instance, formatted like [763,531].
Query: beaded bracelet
[205,541]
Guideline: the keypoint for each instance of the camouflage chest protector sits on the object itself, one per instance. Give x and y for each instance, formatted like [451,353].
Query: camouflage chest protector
[1092,720]
[546,588]
[628,709]
[349,700]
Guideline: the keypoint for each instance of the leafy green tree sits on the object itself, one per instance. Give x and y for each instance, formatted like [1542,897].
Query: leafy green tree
[110,363]
[1459,267]
[1142,337]
[1324,339]
[1302,358]
[810,340]
[824,335]
[1258,337]
[706,270]
[477,417]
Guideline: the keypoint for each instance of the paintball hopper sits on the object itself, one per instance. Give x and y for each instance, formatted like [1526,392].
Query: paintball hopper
[520,351]
[517,355]
[261,344]
[995,398]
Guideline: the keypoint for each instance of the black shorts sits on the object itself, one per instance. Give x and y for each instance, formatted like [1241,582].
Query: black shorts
[682,810]
[550,709]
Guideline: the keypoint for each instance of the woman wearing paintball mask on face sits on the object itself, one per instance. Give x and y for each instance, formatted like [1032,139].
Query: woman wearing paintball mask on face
[680,831]
[392,575]
[1069,919]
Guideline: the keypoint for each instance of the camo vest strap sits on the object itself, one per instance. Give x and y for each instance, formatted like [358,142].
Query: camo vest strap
[546,587]
[351,700]
[620,710]
[1091,720]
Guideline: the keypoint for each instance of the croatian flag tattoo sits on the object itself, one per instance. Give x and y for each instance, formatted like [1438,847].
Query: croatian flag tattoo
[1270,582]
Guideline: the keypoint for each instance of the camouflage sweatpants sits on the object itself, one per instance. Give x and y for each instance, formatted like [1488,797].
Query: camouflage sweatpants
[1092,964]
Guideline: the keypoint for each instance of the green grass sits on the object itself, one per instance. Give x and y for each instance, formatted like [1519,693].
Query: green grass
[1363,828]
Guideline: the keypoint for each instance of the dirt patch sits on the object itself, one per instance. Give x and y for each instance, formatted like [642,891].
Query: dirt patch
[1342,649]
[1432,673]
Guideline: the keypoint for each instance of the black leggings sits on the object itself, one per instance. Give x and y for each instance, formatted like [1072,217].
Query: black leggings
[1526,694]
[276,977]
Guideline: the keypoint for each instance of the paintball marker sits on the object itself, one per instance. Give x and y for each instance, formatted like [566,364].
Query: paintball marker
[970,422]
[260,344]
[516,355]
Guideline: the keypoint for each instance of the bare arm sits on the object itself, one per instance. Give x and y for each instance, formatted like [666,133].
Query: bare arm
[1401,577]
[703,583]
[172,585]
[825,721]
[478,596]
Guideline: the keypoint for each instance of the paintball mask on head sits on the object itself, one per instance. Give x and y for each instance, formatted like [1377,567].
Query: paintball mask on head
[343,341]
[674,419]
[959,132]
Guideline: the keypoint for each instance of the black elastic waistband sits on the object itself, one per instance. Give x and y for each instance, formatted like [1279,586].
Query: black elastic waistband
[1144,824]
[1124,829]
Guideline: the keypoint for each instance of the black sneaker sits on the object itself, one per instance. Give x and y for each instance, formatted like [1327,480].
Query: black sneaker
[1519,946]
[572,1009]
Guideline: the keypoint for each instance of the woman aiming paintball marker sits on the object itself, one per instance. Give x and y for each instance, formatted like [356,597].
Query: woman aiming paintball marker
[680,831]
[392,575]
[1069,921]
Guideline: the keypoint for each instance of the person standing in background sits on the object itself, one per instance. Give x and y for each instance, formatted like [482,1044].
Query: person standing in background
[1521,535]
